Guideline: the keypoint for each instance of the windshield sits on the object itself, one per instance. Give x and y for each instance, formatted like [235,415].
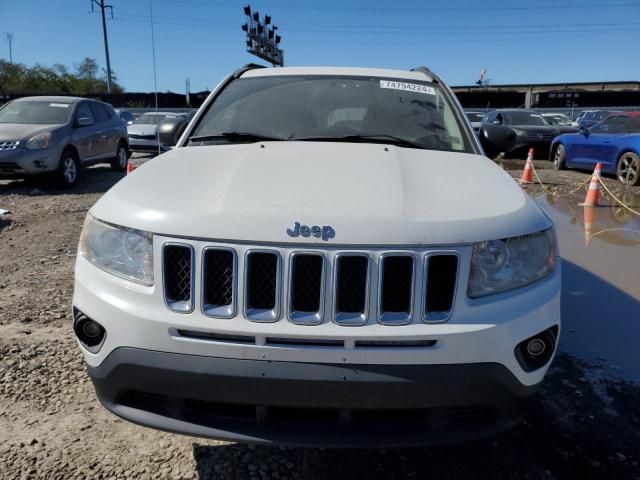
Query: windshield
[29,112]
[475,116]
[151,119]
[558,120]
[526,118]
[600,115]
[333,108]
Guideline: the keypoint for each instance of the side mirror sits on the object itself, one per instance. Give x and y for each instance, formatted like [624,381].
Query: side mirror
[170,130]
[84,122]
[584,131]
[496,139]
[130,122]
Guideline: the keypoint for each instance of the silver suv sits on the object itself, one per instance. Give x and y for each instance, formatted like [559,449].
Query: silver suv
[57,135]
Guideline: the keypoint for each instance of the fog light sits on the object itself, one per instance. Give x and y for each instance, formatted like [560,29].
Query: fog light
[535,352]
[535,347]
[90,333]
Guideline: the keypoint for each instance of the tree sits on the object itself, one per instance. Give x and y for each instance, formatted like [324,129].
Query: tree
[87,79]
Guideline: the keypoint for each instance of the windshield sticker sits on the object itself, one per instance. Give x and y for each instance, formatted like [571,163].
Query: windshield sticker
[409,87]
[59,105]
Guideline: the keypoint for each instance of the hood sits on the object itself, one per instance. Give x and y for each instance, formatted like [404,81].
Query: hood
[566,129]
[368,193]
[142,129]
[21,131]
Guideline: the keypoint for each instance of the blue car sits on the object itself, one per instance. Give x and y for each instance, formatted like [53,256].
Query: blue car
[615,142]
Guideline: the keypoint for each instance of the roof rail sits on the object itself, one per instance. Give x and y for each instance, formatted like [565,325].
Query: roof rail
[246,68]
[429,73]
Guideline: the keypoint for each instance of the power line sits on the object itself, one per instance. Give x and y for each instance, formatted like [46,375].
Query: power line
[103,7]
[9,37]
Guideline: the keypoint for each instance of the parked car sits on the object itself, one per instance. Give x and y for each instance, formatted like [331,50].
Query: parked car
[126,116]
[143,133]
[58,135]
[326,255]
[557,119]
[580,117]
[530,129]
[614,142]
[475,118]
[593,117]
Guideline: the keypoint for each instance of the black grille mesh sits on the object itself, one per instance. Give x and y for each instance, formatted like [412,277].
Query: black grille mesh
[177,268]
[306,283]
[262,271]
[397,282]
[441,282]
[352,284]
[218,277]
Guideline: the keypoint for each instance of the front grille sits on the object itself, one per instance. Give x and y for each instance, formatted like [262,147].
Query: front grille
[219,290]
[6,145]
[178,277]
[261,286]
[395,289]
[351,289]
[9,167]
[540,136]
[312,287]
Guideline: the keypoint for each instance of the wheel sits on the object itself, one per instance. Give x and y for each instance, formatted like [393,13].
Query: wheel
[628,171]
[119,162]
[558,158]
[68,170]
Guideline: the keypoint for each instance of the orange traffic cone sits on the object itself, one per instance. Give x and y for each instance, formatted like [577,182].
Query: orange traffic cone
[593,194]
[527,174]
[130,167]
[589,220]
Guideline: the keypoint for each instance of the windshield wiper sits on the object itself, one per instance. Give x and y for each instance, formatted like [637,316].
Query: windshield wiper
[378,138]
[233,137]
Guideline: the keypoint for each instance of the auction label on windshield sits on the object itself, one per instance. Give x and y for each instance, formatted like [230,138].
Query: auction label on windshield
[409,87]
[59,105]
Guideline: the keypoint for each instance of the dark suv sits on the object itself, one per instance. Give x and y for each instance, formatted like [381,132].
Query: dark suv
[530,128]
[58,135]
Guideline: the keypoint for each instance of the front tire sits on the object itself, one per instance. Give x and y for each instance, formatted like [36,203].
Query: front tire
[119,162]
[628,169]
[559,158]
[68,169]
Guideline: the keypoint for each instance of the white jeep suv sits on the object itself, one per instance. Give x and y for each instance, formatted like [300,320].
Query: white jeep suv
[326,258]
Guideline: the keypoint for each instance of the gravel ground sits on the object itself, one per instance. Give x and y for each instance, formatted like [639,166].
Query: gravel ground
[582,423]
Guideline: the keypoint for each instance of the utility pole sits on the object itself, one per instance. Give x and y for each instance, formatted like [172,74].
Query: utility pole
[103,7]
[9,37]
[188,88]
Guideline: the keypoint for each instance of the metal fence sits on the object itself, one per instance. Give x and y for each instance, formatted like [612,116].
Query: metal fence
[572,113]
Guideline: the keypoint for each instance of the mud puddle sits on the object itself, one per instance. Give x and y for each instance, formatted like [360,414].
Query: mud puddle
[600,249]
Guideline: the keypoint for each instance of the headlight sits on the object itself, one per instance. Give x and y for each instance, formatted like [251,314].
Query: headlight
[122,251]
[39,141]
[499,265]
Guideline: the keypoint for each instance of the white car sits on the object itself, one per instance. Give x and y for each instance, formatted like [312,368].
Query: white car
[143,132]
[326,258]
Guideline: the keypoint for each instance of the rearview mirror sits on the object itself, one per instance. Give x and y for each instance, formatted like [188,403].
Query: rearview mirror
[496,139]
[84,122]
[170,130]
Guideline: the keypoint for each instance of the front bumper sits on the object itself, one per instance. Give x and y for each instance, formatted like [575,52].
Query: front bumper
[310,404]
[143,145]
[20,162]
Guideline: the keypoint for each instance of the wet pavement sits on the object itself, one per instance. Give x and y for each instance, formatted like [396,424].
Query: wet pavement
[600,249]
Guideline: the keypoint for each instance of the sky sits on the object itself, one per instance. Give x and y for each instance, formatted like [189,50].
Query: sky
[516,41]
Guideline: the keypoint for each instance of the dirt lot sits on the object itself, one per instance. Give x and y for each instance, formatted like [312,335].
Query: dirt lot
[583,424]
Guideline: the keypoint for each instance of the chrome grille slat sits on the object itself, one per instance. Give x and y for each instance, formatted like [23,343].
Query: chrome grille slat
[351,288]
[442,278]
[6,145]
[262,285]
[178,272]
[219,267]
[306,287]
[395,288]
